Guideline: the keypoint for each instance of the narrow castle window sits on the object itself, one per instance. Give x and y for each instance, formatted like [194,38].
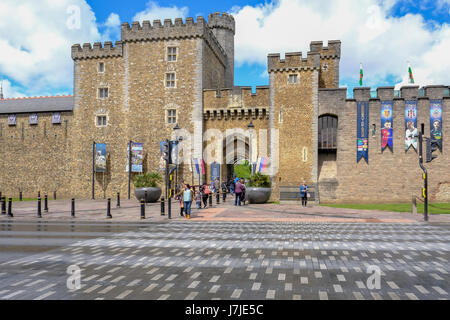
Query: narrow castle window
[102,121]
[172,116]
[305,154]
[172,54]
[103,93]
[325,67]
[293,78]
[101,67]
[170,80]
[280,116]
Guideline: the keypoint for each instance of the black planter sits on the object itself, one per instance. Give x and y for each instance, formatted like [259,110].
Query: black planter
[153,194]
[257,195]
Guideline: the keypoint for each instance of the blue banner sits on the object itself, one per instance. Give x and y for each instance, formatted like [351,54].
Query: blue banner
[362,134]
[436,123]
[411,132]
[386,125]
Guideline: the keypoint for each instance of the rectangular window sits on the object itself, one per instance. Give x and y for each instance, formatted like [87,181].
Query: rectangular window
[293,78]
[102,121]
[172,116]
[170,80]
[103,93]
[172,54]
[101,67]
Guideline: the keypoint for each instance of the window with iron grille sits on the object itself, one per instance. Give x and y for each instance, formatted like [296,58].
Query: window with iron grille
[328,132]
[170,80]
[172,116]
[172,54]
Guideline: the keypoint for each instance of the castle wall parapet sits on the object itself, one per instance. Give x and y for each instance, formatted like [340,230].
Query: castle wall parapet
[236,114]
[97,50]
[237,97]
[224,21]
[408,92]
[173,31]
[293,61]
[333,50]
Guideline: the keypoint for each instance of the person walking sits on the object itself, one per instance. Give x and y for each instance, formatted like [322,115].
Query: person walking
[243,192]
[198,198]
[205,194]
[231,186]
[238,193]
[304,194]
[187,199]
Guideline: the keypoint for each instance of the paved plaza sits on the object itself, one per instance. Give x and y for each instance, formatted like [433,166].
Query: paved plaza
[204,258]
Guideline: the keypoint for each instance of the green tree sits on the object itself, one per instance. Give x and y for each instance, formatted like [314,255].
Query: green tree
[243,170]
[259,180]
[148,180]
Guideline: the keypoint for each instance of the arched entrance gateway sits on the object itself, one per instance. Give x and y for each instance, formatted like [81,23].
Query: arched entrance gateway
[236,149]
[327,150]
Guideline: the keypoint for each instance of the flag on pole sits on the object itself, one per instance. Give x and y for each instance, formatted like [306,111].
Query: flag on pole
[411,78]
[262,164]
[361,74]
[203,166]
[196,165]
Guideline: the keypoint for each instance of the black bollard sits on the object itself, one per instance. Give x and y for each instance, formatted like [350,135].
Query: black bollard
[217,198]
[54,195]
[10,207]
[72,212]
[45,203]
[108,209]
[3,205]
[118,199]
[169,208]
[20,196]
[142,209]
[224,196]
[39,213]
[162,206]
[39,194]
[210,199]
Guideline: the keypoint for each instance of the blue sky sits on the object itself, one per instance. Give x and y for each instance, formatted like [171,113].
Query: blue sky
[384,35]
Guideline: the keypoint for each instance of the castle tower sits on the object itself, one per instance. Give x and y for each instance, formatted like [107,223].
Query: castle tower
[329,63]
[293,112]
[223,28]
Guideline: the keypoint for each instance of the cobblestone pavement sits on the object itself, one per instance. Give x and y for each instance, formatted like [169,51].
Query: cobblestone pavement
[224,260]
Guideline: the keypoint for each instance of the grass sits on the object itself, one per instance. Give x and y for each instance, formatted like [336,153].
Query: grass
[433,208]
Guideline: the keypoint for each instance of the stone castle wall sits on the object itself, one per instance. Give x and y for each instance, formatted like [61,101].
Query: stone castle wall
[35,157]
[389,176]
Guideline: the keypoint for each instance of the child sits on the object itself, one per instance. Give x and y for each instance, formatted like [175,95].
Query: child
[198,199]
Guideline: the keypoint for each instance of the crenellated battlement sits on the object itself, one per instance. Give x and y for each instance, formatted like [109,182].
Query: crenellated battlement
[97,50]
[224,21]
[236,98]
[408,92]
[293,61]
[332,51]
[169,30]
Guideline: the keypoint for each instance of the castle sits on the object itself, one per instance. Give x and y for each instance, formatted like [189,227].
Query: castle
[165,73]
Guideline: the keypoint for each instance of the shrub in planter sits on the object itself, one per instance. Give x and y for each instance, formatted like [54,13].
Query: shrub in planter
[259,188]
[148,184]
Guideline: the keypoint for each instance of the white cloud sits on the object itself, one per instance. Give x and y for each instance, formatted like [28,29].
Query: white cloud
[35,41]
[113,20]
[10,91]
[154,12]
[383,43]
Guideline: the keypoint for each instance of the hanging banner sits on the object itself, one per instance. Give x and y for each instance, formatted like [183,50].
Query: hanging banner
[100,157]
[411,135]
[436,123]
[137,156]
[215,171]
[386,125]
[362,134]
[203,167]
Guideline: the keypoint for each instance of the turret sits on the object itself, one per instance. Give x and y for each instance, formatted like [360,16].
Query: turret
[223,28]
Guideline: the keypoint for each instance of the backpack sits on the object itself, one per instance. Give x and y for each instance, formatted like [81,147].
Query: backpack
[207,191]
